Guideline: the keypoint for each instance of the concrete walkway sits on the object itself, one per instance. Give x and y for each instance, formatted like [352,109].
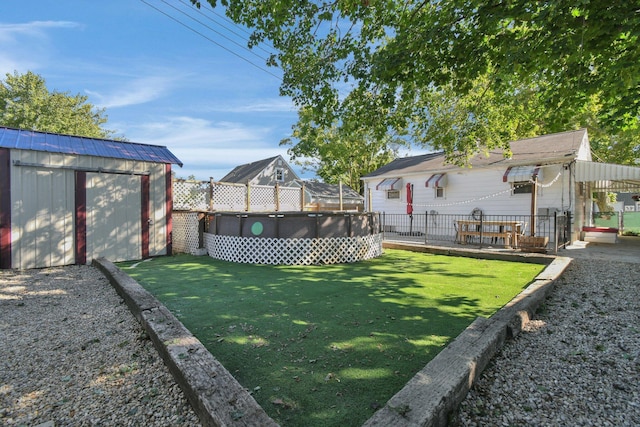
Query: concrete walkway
[626,250]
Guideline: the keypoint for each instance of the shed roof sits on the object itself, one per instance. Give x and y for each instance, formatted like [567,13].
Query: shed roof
[22,139]
[322,189]
[552,148]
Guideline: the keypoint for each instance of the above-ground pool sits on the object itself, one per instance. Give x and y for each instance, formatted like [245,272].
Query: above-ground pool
[293,237]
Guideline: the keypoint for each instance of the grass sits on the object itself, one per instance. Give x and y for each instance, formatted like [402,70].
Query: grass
[328,345]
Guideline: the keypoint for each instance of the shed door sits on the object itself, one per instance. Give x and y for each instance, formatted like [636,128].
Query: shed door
[113,220]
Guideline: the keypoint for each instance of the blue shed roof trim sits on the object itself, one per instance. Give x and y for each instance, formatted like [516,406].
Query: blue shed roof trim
[67,144]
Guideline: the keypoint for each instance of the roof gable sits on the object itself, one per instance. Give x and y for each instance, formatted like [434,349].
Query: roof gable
[251,171]
[22,139]
[243,173]
[552,148]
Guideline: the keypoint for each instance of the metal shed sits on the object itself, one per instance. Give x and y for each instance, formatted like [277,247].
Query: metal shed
[68,199]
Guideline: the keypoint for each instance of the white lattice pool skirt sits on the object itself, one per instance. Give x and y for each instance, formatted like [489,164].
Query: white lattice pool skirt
[278,251]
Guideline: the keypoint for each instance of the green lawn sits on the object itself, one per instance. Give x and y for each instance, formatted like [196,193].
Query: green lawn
[328,345]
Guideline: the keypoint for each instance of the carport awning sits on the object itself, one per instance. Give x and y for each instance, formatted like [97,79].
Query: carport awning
[607,176]
[390,184]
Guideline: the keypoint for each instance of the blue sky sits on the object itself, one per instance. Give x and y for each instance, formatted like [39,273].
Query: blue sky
[160,82]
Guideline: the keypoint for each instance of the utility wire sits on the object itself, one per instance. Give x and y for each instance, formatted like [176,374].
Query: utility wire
[244,30]
[238,27]
[212,29]
[212,41]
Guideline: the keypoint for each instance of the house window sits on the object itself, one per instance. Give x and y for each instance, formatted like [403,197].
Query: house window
[522,187]
[437,181]
[393,194]
[280,175]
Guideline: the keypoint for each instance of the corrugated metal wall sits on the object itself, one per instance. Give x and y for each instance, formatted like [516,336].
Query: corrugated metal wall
[43,209]
[42,217]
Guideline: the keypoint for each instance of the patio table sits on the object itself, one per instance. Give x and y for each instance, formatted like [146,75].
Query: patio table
[508,230]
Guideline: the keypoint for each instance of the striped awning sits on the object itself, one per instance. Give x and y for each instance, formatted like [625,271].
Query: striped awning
[437,180]
[522,173]
[607,176]
[390,184]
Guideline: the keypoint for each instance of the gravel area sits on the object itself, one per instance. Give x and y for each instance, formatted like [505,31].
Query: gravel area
[577,363]
[72,354]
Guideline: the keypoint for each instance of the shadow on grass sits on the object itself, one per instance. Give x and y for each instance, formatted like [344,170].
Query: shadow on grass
[328,345]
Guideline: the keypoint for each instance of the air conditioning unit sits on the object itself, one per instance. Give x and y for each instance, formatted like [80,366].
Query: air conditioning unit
[547,211]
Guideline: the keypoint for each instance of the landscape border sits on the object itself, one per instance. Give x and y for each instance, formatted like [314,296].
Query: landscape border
[426,400]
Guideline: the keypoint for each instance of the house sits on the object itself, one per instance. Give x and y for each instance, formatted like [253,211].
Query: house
[271,171]
[320,196]
[67,199]
[627,202]
[546,174]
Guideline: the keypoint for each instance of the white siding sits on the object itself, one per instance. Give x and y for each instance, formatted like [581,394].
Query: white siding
[468,189]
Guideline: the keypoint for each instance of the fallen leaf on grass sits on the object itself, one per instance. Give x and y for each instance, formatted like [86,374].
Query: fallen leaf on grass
[285,404]
[331,376]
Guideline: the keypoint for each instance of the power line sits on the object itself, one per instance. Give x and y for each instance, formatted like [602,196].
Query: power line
[215,31]
[211,40]
[238,27]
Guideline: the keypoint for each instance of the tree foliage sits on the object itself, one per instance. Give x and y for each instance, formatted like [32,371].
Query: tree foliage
[338,153]
[459,75]
[26,103]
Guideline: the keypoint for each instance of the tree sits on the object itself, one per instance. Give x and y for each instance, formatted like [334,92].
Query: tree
[26,103]
[455,55]
[338,153]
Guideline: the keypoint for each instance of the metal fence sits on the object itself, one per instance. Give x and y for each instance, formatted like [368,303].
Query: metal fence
[538,233]
[210,196]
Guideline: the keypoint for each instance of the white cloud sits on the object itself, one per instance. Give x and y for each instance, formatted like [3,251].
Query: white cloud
[274,105]
[207,148]
[26,46]
[134,92]
[195,132]
[10,32]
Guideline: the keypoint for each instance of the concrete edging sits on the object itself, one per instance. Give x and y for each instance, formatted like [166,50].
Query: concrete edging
[435,392]
[535,258]
[215,395]
[426,400]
